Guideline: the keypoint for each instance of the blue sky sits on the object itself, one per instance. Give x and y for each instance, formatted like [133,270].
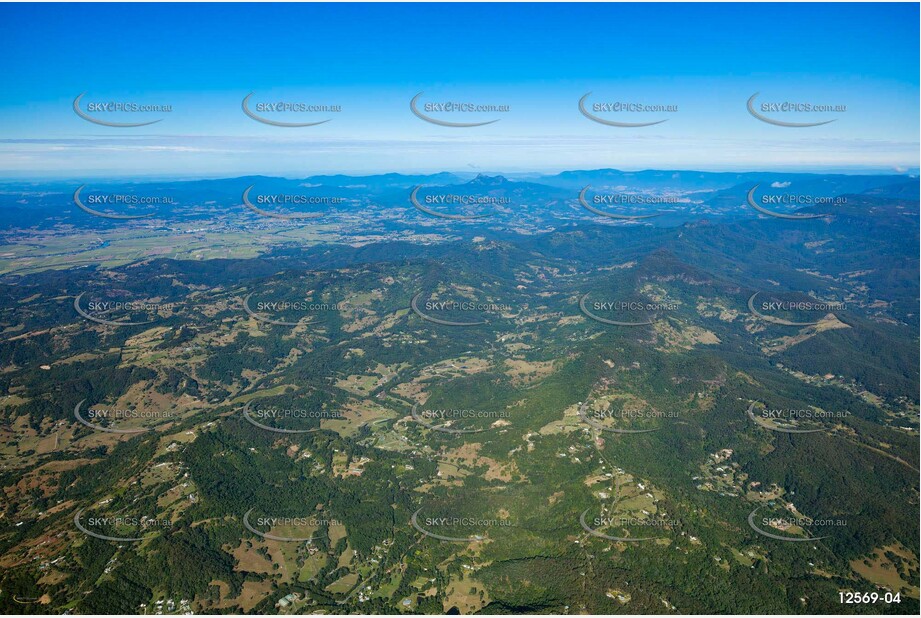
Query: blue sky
[538,59]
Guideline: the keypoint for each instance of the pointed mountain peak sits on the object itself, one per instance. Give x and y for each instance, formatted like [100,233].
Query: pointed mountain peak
[488,181]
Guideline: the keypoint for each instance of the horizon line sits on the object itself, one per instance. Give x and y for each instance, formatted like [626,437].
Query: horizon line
[911,172]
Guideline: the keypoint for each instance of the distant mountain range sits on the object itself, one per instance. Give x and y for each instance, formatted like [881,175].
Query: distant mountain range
[701,193]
